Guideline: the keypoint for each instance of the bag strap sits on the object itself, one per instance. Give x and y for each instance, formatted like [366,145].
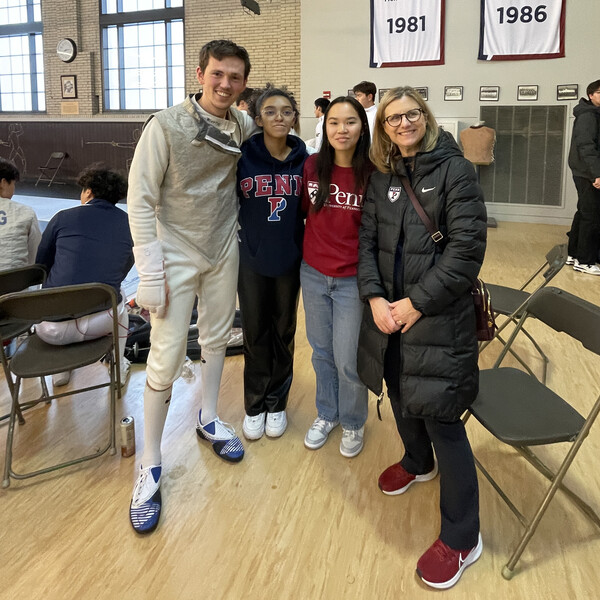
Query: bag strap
[436,235]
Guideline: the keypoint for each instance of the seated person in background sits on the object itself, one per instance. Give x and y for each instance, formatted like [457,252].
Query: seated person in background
[86,244]
[19,229]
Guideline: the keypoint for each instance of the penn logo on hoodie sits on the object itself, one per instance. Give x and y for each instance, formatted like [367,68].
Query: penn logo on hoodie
[271,185]
[277,205]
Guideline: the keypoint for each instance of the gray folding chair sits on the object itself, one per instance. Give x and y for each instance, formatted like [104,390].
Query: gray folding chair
[36,358]
[511,302]
[49,171]
[16,280]
[522,412]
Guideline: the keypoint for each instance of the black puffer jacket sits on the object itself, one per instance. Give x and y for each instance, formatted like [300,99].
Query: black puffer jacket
[439,374]
[584,155]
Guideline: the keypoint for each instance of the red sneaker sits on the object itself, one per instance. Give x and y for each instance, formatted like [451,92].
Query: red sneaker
[441,566]
[396,479]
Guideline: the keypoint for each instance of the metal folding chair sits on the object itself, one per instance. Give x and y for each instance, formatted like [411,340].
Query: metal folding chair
[511,302]
[16,280]
[49,171]
[520,411]
[35,358]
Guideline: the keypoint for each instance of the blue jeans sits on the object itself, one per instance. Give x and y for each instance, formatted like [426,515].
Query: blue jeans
[333,314]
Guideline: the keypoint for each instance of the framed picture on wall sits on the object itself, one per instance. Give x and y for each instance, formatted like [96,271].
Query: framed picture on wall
[423,91]
[527,92]
[382,92]
[68,86]
[453,92]
[569,91]
[351,94]
[489,93]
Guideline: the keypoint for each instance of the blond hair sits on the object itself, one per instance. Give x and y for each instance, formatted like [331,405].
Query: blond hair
[384,153]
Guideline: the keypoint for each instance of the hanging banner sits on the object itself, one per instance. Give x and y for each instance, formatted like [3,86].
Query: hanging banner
[406,33]
[522,29]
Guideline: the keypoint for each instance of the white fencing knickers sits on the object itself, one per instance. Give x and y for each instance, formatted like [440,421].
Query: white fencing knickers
[85,328]
[215,288]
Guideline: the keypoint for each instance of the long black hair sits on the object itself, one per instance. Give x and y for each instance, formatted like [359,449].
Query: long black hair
[361,165]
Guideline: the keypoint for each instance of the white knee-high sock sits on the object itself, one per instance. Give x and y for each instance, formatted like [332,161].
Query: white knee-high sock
[156,406]
[211,370]
[123,331]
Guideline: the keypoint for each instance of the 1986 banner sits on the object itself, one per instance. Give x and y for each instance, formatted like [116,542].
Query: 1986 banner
[407,32]
[522,29]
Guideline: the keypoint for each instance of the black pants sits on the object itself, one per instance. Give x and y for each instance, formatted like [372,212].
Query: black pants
[459,491]
[268,308]
[584,237]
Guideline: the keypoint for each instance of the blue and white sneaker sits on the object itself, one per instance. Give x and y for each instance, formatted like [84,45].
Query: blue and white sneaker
[226,444]
[146,501]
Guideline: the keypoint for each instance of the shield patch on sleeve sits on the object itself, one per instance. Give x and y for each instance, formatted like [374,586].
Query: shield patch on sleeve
[313,188]
[394,193]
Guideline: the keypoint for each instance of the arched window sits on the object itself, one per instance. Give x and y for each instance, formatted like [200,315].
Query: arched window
[142,54]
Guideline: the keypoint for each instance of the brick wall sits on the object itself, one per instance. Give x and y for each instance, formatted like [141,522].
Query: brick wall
[272,40]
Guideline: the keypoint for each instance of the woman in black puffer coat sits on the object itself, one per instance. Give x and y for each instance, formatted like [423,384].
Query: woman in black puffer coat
[418,331]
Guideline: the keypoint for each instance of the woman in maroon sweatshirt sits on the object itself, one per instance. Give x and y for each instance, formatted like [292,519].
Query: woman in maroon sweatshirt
[334,182]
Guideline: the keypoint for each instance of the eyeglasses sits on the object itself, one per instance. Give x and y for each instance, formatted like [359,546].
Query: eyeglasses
[271,113]
[411,116]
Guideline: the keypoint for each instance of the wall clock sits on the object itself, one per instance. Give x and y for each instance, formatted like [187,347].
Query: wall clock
[66,50]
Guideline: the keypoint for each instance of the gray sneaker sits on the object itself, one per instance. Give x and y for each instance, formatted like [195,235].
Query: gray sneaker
[318,433]
[352,442]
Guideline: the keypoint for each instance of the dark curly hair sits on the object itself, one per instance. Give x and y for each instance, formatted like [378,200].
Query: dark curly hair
[269,92]
[8,170]
[104,182]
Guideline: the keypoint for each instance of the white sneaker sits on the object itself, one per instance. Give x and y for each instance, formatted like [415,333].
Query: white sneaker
[571,260]
[352,442]
[589,269]
[63,378]
[254,427]
[318,433]
[276,424]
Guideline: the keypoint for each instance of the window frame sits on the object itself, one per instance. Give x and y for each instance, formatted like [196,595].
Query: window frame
[120,19]
[31,28]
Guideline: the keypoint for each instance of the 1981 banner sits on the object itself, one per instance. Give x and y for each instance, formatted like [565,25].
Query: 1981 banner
[407,32]
[522,29]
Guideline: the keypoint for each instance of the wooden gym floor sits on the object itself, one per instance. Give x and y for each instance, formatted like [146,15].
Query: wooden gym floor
[289,523]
